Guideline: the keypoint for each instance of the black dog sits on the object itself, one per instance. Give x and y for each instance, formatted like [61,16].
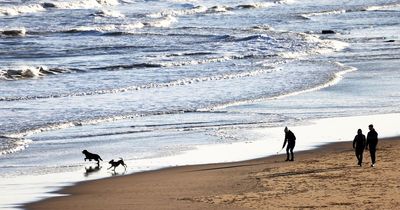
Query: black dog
[91,156]
[116,163]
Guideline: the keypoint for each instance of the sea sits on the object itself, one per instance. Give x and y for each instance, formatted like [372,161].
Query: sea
[164,83]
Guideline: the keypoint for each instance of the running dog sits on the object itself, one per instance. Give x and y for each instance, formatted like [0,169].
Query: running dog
[90,156]
[117,163]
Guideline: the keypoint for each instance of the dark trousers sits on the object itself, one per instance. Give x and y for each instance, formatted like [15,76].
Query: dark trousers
[372,152]
[359,155]
[290,148]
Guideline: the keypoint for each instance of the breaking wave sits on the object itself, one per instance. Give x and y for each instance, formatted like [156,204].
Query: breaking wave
[81,4]
[29,72]
[13,32]
[10,145]
[179,82]
[34,8]
[356,9]
[108,13]
[215,9]
[19,10]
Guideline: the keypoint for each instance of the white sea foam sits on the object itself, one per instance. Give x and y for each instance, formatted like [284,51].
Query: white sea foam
[10,145]
[256,5]
[321,46]
[215,9]
[21,72]
[109,13]
[108,28]
[286,2]
[383,7]
[23,9]
[181,12]
[80,4]
[162,22]
[331,12]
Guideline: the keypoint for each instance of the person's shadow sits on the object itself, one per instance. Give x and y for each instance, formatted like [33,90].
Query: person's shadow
[91,170]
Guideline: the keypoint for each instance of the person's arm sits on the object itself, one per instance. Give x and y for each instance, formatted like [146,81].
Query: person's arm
[368,140]
[364,142]
[284,141]
[354,142]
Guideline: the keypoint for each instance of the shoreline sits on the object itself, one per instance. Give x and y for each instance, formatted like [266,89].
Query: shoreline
[206,186]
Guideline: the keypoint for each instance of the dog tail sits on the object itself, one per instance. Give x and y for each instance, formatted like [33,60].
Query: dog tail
[100,158]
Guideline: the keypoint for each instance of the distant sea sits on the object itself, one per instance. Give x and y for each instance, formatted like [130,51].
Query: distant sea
[151,80]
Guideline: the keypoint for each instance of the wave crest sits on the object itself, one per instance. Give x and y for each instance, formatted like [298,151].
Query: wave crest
[13,32]
[23,9]
[10,145]
[28,72]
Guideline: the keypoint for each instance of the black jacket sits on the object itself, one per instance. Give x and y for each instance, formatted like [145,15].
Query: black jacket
[372,138]
[290,138]
[359,142]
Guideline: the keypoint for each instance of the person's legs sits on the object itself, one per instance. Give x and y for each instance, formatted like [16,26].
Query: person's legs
[287,153]
[291,146]
[358,156]
[372,152]
[291,152]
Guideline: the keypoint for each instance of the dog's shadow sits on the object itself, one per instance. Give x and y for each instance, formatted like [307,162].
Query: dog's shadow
[114,173]
[90,170]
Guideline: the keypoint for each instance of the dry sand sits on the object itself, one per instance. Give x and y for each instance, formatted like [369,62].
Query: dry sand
[327,177]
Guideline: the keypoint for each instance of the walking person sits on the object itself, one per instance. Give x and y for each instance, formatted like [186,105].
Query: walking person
[372,141]
[359,144]
[290,139]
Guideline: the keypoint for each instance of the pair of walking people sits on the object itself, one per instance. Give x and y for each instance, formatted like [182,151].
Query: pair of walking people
[360,143]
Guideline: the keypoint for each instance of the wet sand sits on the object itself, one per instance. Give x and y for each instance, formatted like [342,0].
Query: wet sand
[327,177]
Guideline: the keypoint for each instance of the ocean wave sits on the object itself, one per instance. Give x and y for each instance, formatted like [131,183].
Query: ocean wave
[22,9]
[255,5]
[179,82]
[395,6]
[108,13]
[106,29]
[10,145]
[356,9]
[180,12]
[29,72]
[190,54]
[262,37]
[320,46]
[336,78]
[33,8]
[165,21]
[330,12]
[13,32]
[80,4]
[199,9]
[22,142]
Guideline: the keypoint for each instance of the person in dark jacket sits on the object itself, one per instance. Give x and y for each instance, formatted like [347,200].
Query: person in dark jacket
[359,144]
[290,139]
[372,141]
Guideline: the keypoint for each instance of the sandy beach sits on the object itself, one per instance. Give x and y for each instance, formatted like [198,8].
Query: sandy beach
[327,177]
